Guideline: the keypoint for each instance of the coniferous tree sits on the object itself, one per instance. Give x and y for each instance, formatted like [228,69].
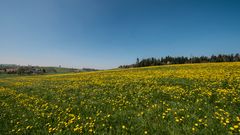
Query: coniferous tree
[183,60]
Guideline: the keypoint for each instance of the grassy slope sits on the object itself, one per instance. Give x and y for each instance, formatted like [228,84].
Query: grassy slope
[178,99]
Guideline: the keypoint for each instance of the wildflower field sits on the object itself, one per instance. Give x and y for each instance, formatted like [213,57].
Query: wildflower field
[176,99]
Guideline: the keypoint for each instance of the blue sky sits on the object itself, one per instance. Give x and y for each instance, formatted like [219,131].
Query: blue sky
[107,33]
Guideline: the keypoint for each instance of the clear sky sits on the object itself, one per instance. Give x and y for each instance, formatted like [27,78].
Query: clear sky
[107,33]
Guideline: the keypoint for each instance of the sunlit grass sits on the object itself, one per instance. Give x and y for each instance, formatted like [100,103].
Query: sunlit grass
[179,99]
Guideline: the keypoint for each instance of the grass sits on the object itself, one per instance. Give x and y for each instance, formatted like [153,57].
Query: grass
[3,75]
[179,99]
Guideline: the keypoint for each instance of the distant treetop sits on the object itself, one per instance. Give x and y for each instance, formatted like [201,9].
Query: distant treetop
[183,60]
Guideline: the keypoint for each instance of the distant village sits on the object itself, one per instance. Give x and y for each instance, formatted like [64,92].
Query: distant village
[15,69]
[31,70]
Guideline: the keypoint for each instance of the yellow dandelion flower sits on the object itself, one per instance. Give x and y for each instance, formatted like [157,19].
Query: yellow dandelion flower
[236,126]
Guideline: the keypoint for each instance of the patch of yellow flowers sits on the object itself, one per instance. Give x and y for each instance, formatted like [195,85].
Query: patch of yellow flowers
[177,99]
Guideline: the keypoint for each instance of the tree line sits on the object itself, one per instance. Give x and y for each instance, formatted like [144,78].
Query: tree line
[183,60]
